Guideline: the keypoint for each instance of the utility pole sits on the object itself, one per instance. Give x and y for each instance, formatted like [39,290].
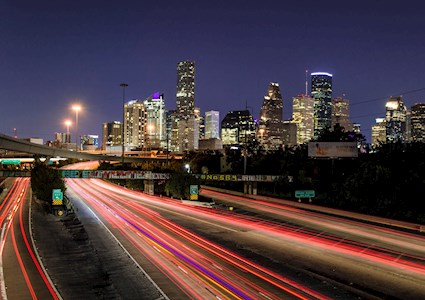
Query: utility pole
[123,85]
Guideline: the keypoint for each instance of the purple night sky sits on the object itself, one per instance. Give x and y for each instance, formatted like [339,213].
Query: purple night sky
[55,53]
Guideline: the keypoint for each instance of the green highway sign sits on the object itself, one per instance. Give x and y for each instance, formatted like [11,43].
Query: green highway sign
[10,161]
[194,189]
[57,194]
[305,194]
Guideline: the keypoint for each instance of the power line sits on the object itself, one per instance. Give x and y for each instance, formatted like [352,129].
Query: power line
[386,97]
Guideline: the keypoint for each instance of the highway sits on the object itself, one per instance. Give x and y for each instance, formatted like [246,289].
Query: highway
[182,263]
[389,261]
[22,277]
[261,249]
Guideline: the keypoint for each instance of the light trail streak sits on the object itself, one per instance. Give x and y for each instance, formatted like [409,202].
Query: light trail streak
[326,242]
[373,232]
[111,204]
[13,203]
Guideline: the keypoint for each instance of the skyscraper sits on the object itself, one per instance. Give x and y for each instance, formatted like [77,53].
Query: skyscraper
[321,91]
[111,134]
[417,122]
[303,117]
[341,113]
[379,132]
[212,124]
[135,124]
[155,121]
[187,125]
[185,89]
[395,118]
[271,123]
[237,128]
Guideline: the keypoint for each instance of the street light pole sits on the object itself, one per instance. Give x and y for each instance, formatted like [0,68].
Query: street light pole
[68,136]
[77,108]
[123,85]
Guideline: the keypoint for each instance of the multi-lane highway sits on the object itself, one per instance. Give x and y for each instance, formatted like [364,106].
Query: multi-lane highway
[22,276]
[387,261]
[262,249]
[353,258]
[181,262]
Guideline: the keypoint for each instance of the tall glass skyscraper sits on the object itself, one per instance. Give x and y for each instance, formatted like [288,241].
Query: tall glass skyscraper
[321,91]
[185,89]
[212,124]
[395,118]
[271,121]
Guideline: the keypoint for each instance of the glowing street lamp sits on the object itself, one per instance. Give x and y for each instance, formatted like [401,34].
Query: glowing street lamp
[76,108]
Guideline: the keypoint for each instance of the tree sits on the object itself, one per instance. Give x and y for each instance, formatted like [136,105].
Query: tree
[44,180]
[178,185]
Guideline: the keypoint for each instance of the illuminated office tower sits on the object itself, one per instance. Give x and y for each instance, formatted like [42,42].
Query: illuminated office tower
[111,134]
[395,118]
[187,125]
[303,117]
[417,122]
[270,123]
[321,91]
[212,124]
[379,132]
[185,89]
[237,128]
[341,113]
[155,133]
[135,124]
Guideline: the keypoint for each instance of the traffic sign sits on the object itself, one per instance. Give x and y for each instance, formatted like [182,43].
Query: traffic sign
[305,194]
[57,197]
[10,161]
[193,191]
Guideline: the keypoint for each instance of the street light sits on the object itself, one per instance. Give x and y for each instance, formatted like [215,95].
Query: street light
[68,136]
[77,108]
[187,166]
[123,85]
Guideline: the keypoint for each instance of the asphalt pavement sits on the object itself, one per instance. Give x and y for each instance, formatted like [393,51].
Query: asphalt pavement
[84,261]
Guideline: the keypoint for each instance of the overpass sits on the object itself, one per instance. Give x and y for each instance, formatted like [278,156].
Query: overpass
[18,145]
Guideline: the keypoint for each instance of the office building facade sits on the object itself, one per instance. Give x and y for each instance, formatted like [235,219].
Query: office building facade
[212,124]
[341,114]
[395,118]
[155,121]
[321,91]
[379,132]
[237,128]
[111,134]
[417,122]
[185,96]
[303,117]
[271,118]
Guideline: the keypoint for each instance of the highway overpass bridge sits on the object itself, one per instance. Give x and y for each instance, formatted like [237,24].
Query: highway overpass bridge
[21,146]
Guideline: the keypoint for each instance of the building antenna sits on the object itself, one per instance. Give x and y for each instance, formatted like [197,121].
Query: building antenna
[306,83]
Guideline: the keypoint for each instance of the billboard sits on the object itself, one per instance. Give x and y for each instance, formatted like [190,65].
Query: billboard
[332,149]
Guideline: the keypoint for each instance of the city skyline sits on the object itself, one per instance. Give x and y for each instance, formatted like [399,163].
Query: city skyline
[57,54]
